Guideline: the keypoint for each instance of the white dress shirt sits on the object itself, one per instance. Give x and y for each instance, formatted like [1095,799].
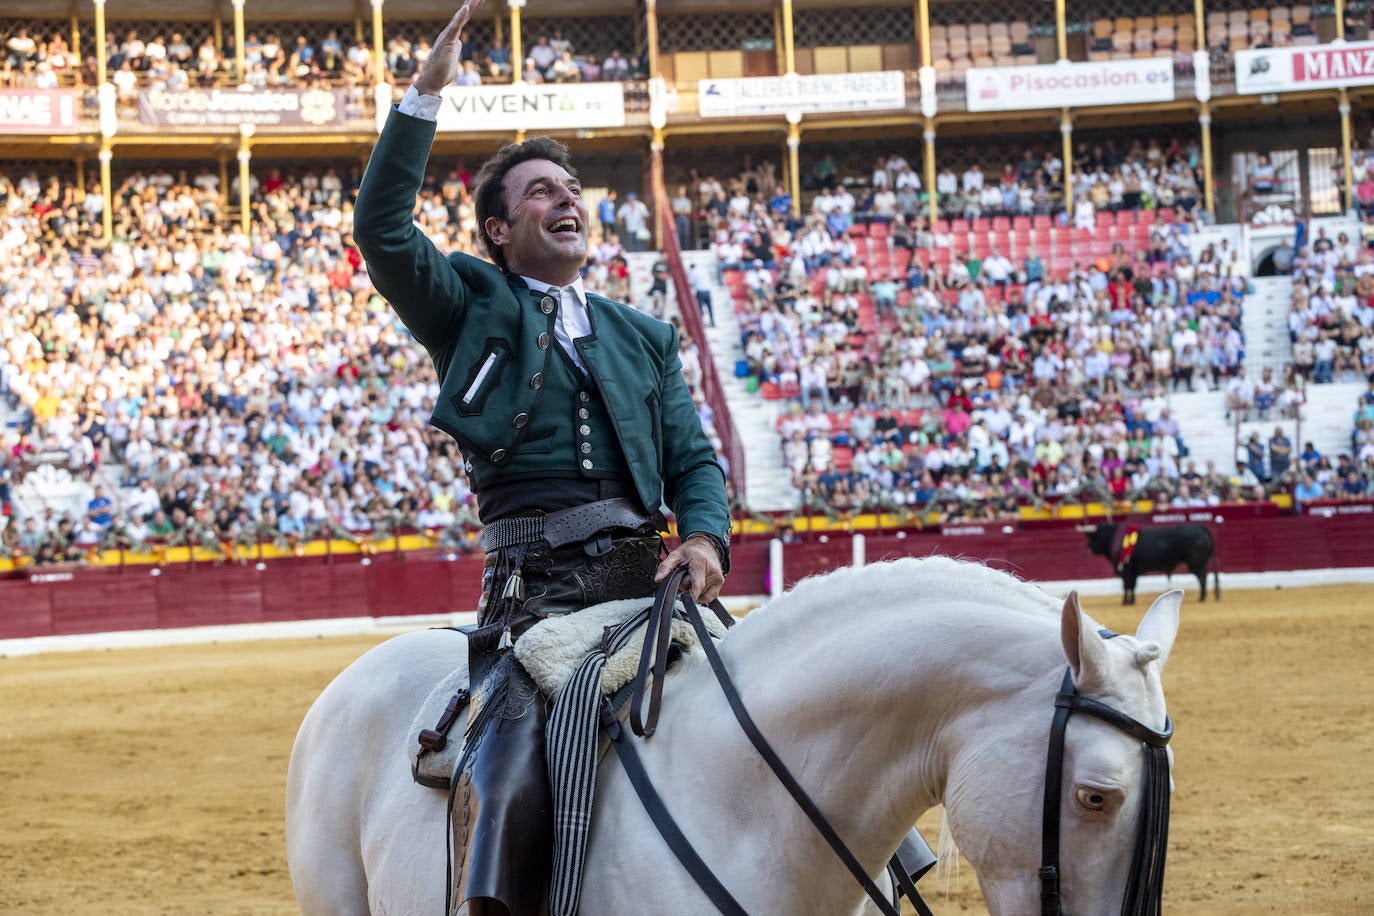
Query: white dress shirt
[573,321]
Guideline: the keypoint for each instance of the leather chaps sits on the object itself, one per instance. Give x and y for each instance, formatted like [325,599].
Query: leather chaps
[502,804]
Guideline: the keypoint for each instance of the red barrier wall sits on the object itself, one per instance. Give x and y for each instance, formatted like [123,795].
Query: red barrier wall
[57,601]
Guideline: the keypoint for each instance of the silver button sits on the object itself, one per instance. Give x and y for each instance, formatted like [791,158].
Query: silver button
[519,420]
[585,430]
[546,305]
[498,456]
[583,396]
[587,463]
[543,340]
[586,448]
[467,467]
[583,413]
[537,381]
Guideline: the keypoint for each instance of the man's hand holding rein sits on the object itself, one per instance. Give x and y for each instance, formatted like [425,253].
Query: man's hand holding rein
[702,559]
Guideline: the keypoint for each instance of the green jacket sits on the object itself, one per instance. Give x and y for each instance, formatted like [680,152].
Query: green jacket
[468,315]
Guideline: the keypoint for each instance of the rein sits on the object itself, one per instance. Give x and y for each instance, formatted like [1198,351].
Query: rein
[644,723]
[1145,886]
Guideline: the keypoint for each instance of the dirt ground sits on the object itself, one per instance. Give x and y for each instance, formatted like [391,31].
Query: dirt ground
[151,780]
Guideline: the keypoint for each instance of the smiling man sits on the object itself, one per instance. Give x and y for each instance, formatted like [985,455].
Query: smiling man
[576,426]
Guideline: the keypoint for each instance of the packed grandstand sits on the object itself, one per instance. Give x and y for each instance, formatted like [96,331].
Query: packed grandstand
[931,306]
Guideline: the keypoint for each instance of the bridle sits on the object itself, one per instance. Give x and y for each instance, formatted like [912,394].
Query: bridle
[1145,886]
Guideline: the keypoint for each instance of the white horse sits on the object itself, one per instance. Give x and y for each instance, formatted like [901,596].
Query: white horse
[886,689]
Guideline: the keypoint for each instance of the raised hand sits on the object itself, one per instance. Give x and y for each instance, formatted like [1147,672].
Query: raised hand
[441,68]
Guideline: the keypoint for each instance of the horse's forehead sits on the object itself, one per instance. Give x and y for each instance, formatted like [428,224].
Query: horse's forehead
[1131,683]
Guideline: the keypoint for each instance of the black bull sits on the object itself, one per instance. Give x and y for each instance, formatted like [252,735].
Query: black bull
[1157,550]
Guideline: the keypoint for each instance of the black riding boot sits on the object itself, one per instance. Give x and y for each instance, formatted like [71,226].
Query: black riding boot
[502,806]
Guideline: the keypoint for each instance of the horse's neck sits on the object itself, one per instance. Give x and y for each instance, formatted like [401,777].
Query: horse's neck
[872,710]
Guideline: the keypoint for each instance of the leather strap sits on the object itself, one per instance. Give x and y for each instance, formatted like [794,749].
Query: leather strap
[751,730]
[908,888]
[566,526]
[1067,702]
[663,818]
[655,653]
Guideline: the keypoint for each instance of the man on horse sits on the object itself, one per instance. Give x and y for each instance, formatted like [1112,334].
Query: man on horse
[576,426]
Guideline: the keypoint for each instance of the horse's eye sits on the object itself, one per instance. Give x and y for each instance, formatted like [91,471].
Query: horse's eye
[1091,799]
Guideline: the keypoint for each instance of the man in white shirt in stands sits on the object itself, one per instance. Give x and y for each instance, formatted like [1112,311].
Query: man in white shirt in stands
[998,268]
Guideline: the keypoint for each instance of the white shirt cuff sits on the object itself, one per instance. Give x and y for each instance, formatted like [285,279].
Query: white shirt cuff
[425,107]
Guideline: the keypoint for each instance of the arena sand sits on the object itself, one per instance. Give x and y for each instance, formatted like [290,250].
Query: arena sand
[151,781]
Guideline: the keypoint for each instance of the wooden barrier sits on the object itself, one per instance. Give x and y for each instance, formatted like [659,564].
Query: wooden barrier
[47,601]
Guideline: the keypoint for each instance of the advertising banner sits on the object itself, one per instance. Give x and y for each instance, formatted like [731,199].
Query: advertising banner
[39,111]
[1310,67]
[548,106]
[232,107]
[775,95]
[1071,85]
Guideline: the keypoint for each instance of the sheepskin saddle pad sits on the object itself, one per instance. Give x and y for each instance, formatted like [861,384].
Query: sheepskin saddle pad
[551,652]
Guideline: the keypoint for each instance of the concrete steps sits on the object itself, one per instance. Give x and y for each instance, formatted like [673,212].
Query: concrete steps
[768,484]
[1265,326]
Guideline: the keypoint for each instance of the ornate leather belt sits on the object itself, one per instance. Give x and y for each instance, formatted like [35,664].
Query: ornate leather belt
[568,526]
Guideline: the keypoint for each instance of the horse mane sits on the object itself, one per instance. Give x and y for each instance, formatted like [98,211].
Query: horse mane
[935,579]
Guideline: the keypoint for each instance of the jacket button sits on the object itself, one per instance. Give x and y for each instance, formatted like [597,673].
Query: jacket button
[498,456]
[583,396]
[519,420]
[587,463]
[467,468]
[586,448]
[537,381]
[583,413]
[546,305]
[585,430]
[543,340]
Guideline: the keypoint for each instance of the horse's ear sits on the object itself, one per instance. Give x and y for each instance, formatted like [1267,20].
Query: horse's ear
[1160,623]
[1082,646]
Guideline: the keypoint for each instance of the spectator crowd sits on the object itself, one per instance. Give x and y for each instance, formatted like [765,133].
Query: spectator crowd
[151,56]
[986,380]
[223,389]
